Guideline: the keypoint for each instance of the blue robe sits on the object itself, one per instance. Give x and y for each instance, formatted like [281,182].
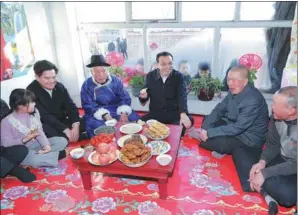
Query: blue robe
[99,99]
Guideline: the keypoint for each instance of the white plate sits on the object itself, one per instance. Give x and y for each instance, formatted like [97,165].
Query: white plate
[132,165]
[159,147]
[131,128]
[96,164]
[150,121]
[122,139]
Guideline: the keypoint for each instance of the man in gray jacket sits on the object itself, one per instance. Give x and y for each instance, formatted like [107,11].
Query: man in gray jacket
[273,172]
[240,119]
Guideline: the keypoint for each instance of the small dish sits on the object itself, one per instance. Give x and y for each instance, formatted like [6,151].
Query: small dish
[122,139]
[159,147]
[164,159]
[77,153]
[111,122]
[131,128]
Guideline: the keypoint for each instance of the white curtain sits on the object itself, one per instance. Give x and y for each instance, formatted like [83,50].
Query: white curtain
[289,77]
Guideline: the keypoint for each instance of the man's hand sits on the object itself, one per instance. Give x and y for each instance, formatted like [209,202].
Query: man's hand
[184,119]
[107,117]
[45,150]
[30,136]
[256,168]
[124,117]
[257,181]
[75,132]
[143,94]
[68,134]
[203,135]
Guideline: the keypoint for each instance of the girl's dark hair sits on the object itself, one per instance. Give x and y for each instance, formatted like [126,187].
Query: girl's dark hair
[20,97]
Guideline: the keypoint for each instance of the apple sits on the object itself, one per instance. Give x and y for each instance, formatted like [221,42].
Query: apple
[104,159]
[113,148]
[113,155]
[103,148]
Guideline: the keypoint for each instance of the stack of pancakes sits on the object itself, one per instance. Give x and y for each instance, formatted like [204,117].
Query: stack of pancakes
[157,130]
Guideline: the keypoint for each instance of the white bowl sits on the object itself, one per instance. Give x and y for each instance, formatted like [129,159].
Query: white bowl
[164,159]
[77,153]
[111,122]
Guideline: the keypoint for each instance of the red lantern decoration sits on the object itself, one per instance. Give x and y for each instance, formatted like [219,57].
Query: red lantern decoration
[251,61]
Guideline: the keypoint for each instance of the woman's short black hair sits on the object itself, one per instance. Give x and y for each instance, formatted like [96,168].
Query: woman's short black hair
[163,54]
[20,97]
[44,65]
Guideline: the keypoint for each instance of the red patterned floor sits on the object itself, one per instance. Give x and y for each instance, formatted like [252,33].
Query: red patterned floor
[201,185]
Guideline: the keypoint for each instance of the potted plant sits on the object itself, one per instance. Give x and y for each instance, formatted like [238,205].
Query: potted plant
[205,87]
[136,83]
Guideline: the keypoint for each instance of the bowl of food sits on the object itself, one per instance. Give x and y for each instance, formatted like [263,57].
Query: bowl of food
[157,131]
[104,154]
[131,128]
[134,154]
[164,159]
[102,138]
[104,130]
[77,153]
[131,137]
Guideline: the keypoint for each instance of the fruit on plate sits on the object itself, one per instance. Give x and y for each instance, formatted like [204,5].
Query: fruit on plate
[101,138]
[104,159]
[103,148]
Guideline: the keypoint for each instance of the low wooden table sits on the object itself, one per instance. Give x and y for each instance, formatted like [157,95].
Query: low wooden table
[151,170]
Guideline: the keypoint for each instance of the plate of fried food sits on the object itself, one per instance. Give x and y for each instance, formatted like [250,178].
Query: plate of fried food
[131,128]
[131,138]
[134,154]
[157,131]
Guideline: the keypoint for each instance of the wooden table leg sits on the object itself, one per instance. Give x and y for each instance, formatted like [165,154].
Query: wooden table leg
[86,179]
[162,184]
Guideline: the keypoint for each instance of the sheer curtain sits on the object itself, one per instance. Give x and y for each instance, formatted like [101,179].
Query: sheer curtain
[289,77]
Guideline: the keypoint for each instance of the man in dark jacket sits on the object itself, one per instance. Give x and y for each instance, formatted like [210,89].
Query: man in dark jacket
[165,87]
[273,172]
[240,119]
[11,157]
[59,114]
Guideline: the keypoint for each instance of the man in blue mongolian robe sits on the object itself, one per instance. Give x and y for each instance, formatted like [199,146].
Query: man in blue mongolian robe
[104,97]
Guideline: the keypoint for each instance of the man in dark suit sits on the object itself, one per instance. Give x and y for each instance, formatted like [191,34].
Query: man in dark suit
[165,87]
[240,119]
[59,114]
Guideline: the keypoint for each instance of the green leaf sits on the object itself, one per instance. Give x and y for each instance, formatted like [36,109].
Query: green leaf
[35,197]
[137,81]
[127,210]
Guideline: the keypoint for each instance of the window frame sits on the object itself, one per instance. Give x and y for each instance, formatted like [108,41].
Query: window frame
[178,23]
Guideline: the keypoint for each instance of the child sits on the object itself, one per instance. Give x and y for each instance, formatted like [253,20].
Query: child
[23,127]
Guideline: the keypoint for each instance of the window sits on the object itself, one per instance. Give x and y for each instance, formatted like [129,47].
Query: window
[101,11]
[208,11]
[127,42]
[257,10]
[192,45]
[153,10]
